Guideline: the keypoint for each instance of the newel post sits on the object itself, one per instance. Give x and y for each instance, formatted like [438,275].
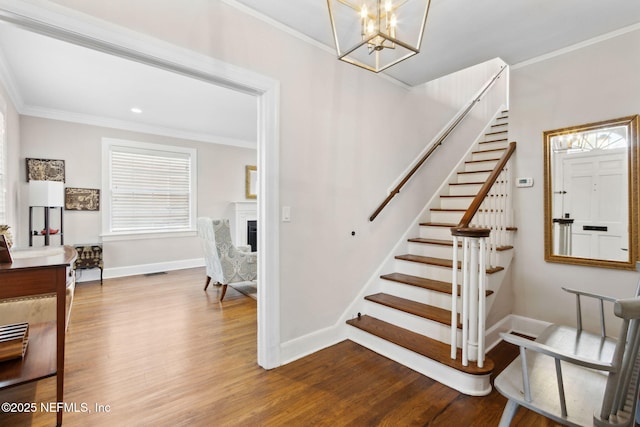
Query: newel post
[472,312]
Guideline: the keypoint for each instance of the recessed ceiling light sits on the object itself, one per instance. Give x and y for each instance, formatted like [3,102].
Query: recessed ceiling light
[136,110]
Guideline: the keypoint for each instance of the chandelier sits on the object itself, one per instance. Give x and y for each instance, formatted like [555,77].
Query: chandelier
[376,34]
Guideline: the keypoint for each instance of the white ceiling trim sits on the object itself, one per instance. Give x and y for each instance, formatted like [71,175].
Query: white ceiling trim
[87,119]
[577,46]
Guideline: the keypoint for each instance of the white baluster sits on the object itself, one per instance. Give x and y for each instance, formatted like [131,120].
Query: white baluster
[473,299]
[454,301]
[465,301]
[482,278]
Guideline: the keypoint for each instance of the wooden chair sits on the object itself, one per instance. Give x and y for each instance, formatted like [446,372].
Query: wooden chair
[574,377]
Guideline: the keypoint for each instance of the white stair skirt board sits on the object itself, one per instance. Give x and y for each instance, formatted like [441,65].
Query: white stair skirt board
[472,385]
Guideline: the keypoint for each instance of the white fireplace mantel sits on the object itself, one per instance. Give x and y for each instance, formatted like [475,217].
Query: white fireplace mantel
[242,212]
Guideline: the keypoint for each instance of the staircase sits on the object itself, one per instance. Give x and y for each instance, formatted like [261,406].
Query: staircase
[408,316]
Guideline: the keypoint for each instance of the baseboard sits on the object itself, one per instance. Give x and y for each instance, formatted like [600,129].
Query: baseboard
[133,270]
[308,344]
[513,323]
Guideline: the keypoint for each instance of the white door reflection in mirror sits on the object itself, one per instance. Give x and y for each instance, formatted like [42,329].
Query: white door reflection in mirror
[589,186]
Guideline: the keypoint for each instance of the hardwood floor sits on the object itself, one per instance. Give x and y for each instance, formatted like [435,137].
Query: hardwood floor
[161,352]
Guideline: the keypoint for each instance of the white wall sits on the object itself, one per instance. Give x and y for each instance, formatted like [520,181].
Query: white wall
[221,180]
[595,83]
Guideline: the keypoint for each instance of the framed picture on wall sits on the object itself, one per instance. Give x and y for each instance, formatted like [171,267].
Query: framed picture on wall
[45,170]
[81,199]
[251,182]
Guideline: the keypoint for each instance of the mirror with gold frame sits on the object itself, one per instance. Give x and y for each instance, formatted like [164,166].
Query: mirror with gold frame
[251,182]
[591,194]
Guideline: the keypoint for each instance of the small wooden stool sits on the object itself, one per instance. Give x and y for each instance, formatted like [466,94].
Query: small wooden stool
[89,256]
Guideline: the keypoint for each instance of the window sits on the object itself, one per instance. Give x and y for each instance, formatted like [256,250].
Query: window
[148,188]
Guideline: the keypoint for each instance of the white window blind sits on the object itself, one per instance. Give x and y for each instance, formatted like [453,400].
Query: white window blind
[150,189]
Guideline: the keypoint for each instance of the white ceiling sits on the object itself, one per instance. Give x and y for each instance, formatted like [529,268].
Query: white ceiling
[42,73]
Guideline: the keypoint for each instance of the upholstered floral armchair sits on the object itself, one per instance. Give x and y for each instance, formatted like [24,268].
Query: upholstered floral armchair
[225,263]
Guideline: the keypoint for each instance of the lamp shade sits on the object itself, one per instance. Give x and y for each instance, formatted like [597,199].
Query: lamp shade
[46,193]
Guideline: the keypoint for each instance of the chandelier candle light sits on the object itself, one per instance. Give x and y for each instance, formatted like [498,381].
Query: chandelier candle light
[377,33]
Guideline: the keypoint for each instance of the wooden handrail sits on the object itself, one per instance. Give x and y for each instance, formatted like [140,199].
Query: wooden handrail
[435,145]
[486,187]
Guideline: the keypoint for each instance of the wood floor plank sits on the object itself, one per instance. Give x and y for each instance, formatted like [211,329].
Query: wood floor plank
[162,352]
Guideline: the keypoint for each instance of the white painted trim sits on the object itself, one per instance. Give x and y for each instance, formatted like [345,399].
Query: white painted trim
[308,344]
[134,270]
[513,323]
[47,18]
[577,46]
[119,237]
[87,119]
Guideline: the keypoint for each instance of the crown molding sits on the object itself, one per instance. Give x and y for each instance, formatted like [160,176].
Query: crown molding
[577,46]
[87,119]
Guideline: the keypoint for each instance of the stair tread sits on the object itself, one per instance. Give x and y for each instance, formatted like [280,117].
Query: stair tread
[438,224]
[420,344]
[443,242]
[494,140]
[441,262]
[447,210]
[482,161]
[488,151]
[423,282]
[468,172]
[425,311]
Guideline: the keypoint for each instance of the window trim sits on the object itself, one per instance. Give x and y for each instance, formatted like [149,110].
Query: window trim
[107,234]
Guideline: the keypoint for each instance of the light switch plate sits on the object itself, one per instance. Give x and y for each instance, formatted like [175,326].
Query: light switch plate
[286,214]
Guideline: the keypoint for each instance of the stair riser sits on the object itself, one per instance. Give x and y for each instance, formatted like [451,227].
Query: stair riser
[414,293]
[464,190]
[442,233]
[436,251]
[423,270]
[417,324]
[452,217]
[487,155]
[480,166]
[455,202]
[473,177]
[493,145]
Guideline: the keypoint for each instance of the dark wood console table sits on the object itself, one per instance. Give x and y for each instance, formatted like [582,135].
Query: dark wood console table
[45,353]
